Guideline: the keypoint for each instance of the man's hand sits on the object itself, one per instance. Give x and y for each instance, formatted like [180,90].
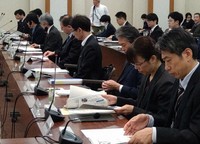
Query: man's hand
[35,45]
[49,53]
[126,109]
[136,123]
[142,137]
[110,85]
[111,99]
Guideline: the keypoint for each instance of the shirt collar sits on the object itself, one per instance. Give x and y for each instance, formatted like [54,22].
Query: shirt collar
[186,79]
[85,40]
[49,29]
[153,28]
[124,23]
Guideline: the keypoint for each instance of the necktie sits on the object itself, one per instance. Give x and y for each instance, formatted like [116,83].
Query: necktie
[178,101]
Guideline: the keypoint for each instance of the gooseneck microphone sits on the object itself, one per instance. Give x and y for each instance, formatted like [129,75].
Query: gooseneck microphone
[67,137]
[39,91]
[55,115]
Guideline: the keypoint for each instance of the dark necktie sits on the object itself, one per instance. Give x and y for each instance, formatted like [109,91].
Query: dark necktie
[178,101]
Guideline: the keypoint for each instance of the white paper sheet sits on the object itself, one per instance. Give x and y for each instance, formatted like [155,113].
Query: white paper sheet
[106,136]
[39,57]
[50,70]
[29,49]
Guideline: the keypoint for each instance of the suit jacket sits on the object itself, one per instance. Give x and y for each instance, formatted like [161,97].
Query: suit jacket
[53,40]
[157,32]
[70,52]
[90,60]
[188,25]
[130,79]
[153,97]
[110,30]
[186,128]
[38,36]
[23,27]
[196,30]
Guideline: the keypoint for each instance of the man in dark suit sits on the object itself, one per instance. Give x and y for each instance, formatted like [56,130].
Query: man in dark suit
[109,28]
[71,48]
[53,40]
[155,31]
[121,20]
[21,24]
[38,34]
[196,28]
[179,51]
[129,80]
[90,59]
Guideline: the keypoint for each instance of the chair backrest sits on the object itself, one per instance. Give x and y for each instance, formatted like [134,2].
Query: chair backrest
[107,72]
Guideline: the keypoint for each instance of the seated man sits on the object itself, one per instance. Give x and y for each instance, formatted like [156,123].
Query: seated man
[174,21]
[155,31]
[71,48]
[196,28]
[128,82]
[38,34]
[179,52]
[109,28]
[21,24]
[53,40]
[90,59]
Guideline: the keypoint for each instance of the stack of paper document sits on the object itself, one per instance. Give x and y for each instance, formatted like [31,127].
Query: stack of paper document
[67,81]
[28,49]
[79,96]
[50,70]
[106,136]
[39,57]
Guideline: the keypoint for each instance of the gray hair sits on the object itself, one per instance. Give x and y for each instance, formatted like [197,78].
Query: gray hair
[130,33]
[47,18]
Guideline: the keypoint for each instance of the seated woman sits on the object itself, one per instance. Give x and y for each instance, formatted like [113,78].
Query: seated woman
[109,28]
[156,85]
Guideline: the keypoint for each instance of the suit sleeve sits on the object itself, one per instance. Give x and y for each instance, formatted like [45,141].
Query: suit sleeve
[197,32]
[73,53]
[40,37]
[90,57]
[189,134]
[164,92]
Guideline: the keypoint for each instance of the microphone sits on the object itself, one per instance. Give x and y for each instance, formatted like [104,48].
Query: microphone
[55,115]
[5,24]
[69,137]
[2,15]
[22,69]
[39,91]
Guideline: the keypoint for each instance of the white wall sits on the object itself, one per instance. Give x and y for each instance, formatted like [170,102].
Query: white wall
[9,9]
[161,8]
[37,4]
[58,8]
[139,7]
[192,6]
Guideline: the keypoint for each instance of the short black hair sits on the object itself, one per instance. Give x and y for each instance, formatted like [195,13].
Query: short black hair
[121,14]
[188,14]
[66,21]
[81,21]
[37,11]
[143,46]
[130,33]
[32,17]
[152,17]
[176,16]
[143,16]
[20,12]
[176,41]
[61,17]
[105,18]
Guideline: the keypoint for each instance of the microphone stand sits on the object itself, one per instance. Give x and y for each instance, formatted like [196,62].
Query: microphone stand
[55,115]
[39,91]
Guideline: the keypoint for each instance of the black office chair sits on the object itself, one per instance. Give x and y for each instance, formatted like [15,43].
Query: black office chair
[107,72]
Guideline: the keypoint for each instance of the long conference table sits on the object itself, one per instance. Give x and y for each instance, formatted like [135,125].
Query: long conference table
[16,84]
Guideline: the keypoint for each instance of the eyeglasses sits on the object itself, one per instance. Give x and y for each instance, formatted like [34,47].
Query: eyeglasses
[139,64]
